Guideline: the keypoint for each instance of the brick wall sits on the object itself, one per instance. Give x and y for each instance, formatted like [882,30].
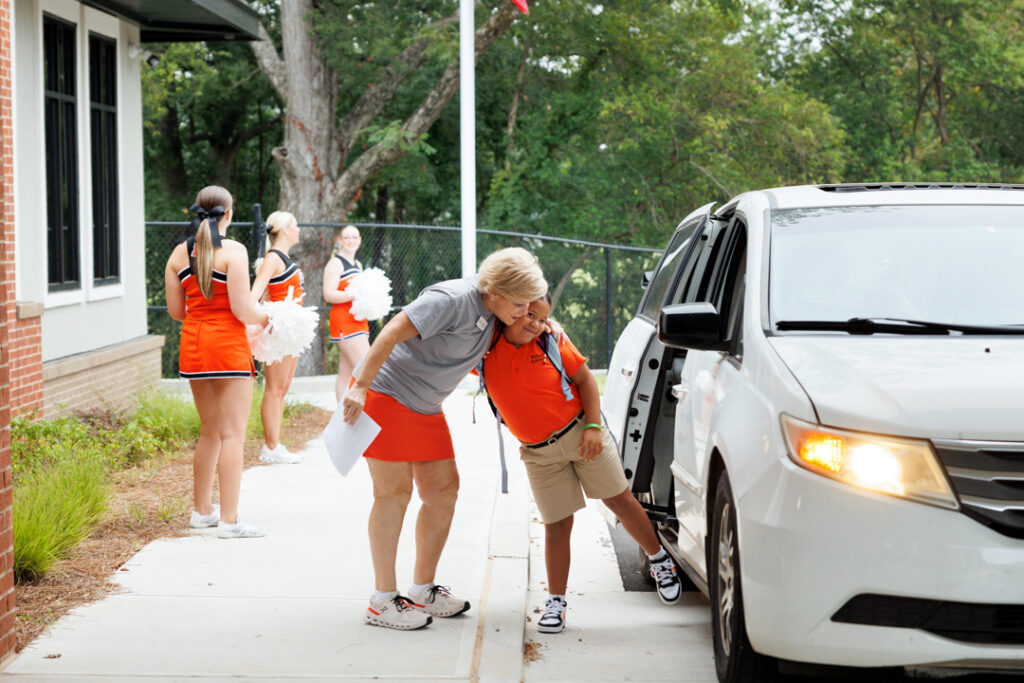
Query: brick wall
[7,613]
[108,378]
[25,347]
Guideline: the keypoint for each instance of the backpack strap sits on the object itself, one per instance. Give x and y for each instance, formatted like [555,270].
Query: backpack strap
[549,346]
[482,388]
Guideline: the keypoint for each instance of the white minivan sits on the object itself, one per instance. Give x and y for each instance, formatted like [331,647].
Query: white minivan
[820,402]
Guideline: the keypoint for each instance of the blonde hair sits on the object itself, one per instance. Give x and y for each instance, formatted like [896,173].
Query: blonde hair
[513,273]
[276,222]
[209,198]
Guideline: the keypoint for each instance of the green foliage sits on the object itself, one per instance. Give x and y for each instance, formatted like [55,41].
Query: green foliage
[633,116]
[926,89]
[61,471]
[55,507]
[171,420]
[210,116]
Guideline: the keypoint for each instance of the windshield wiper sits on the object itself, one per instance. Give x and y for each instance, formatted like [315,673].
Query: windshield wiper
[894,326]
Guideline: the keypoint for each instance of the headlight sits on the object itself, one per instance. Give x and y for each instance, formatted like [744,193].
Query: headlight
[905,468]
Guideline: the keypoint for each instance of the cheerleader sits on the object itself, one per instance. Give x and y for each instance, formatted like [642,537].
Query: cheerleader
[207,288]
[352,336]
[280,278]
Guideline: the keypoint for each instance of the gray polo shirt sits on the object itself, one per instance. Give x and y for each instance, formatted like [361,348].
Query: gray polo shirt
[455,330]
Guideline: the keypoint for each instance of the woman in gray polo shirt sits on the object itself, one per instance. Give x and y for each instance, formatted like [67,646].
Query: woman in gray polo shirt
[417,361]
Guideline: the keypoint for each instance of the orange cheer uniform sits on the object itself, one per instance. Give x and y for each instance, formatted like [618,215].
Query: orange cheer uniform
[290,278]
[213,341]
[343,325]
[527,390]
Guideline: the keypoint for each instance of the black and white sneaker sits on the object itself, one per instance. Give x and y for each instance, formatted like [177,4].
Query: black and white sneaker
[663,572]
[553,619]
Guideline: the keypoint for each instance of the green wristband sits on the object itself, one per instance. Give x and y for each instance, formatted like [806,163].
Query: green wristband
[593,425]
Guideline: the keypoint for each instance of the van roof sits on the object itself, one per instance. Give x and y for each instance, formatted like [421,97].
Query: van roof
[873,194]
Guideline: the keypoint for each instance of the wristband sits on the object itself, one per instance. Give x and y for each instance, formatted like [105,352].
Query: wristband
[593,425]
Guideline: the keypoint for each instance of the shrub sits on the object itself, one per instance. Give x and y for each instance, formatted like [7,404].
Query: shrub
[55,507]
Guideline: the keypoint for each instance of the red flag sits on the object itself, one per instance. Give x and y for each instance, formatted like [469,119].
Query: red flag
[521,4]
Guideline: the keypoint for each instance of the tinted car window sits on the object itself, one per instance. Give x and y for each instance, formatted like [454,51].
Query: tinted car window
[674,254]
[948,264]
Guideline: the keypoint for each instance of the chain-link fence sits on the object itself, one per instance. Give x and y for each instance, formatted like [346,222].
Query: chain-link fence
[595,286]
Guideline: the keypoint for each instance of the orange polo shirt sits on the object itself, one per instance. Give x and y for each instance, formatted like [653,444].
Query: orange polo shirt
[527,388]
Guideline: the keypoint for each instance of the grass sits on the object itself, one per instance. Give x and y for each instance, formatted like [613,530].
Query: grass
[55,507]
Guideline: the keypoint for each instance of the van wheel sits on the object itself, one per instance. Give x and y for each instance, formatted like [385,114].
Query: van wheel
[735,660]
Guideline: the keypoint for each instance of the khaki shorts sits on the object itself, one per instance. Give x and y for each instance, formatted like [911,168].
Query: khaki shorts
[557,473]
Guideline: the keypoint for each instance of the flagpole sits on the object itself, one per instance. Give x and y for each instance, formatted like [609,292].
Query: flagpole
[467,135]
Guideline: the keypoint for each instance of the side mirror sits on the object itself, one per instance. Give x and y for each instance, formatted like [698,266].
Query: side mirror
[646,278]
[692,326]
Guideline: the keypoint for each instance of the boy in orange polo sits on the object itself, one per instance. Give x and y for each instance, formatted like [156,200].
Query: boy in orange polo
[565,449]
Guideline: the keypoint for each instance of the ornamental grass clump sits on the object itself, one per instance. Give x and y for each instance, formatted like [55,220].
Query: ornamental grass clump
[55,508]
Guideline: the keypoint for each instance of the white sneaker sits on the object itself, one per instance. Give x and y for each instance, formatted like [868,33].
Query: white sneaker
[239,529]
[199,521]
[664,574]
[395,612]
[278,455]
[439,601]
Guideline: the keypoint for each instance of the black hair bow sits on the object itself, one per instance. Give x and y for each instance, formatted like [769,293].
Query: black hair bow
[213,215]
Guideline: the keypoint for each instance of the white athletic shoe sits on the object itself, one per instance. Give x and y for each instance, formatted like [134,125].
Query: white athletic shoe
[439,601]
[396,612]
[239,529]
[278,455]
[199,521]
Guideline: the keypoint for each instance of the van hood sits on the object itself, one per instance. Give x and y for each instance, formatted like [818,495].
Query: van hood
[918,386]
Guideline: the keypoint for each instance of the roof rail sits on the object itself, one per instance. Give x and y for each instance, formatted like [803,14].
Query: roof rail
[878,187]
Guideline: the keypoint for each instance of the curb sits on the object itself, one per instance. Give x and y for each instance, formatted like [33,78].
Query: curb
[498,653]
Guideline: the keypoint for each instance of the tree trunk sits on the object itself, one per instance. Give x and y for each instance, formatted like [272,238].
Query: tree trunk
[173,176]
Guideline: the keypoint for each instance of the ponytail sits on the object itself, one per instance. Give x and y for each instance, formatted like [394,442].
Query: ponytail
[276,222]
[204,258]
[212,203]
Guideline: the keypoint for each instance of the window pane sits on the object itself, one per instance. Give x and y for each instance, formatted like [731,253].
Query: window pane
[61,154]
[103,99]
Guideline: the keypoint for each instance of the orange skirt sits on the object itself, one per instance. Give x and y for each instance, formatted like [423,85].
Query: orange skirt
[344,326]
[214,348]
[405,435]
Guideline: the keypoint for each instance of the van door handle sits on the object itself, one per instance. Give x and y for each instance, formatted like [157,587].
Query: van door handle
[679,391]
[627,373]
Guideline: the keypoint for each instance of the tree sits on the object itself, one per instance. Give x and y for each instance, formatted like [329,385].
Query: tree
[926,89]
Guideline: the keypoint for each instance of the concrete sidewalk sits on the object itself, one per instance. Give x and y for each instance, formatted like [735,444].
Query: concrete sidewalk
[290,605]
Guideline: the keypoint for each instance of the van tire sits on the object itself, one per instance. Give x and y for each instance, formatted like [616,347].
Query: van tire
[735,659]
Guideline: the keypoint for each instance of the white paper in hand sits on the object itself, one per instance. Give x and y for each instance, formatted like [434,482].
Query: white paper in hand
[346,443]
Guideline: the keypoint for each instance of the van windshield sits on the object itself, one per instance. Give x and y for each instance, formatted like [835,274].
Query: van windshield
[960,265]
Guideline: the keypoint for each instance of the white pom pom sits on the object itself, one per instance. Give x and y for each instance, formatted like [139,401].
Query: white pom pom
[290,331]
[371,294]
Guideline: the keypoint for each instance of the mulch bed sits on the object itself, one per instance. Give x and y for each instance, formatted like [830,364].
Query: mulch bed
[151,501]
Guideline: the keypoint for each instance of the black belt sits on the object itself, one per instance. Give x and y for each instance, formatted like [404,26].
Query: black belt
[558,435]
